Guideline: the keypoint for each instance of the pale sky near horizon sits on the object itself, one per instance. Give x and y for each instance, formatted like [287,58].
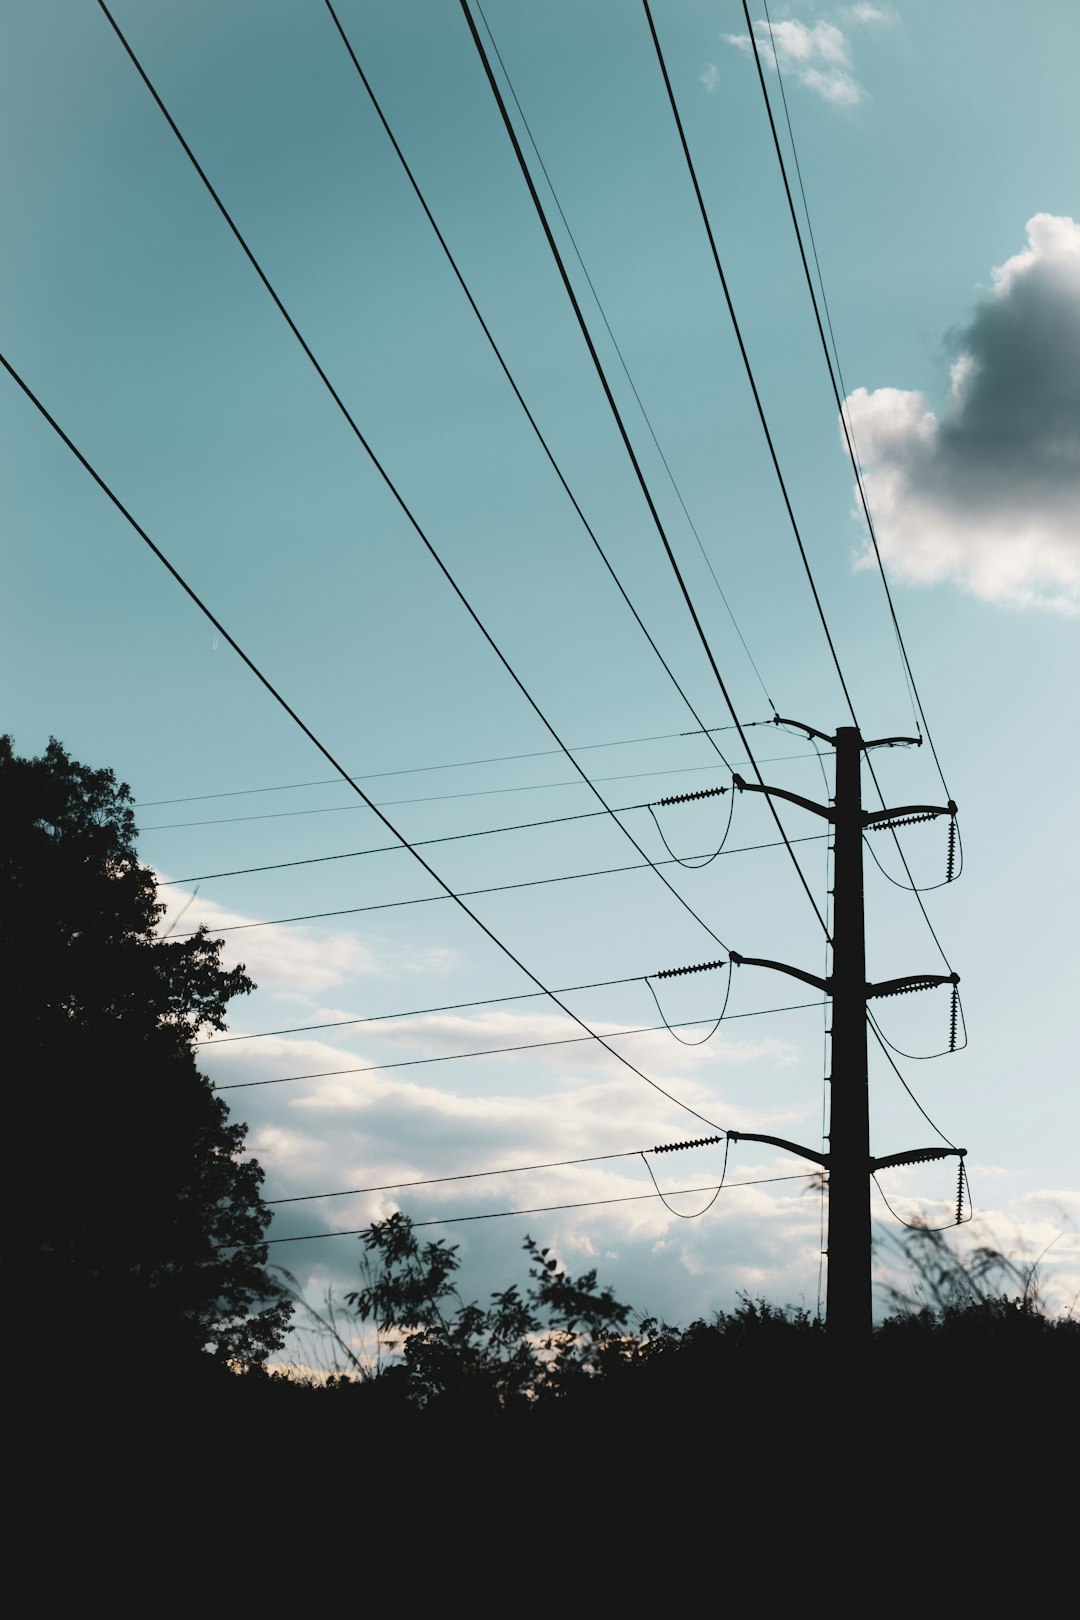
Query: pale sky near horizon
[938,150]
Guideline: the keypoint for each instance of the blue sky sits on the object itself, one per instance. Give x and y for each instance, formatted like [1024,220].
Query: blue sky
[938,147]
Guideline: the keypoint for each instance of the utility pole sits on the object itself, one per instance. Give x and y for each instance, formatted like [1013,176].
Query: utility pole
[848,1161]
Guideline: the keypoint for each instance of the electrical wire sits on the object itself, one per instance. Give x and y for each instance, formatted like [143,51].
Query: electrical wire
[544,1209]
[517,391]
[929,1057]
[388,481]
[671,1028]
[839,392]
[448,838]
[459,1006]
[622,358]
[465,1175]
[697,863]
[471,793]
[920,1226]
[278,698]
[624,435]
[884,1045]
[451,765]
[453,1057]
[697,1214]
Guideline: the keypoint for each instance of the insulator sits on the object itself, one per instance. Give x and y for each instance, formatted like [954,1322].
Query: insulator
[904,821]
[950,861]
[701,793]
[699,1141]
[696,967]
[960,1194]
[954,1016]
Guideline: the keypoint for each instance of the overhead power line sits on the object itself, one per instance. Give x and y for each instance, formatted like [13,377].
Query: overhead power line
[839,391]
[589,530]
[544,1209]
[497,1051]
[624,435]
[450,765]
[283,703]
[471,793]
[392,488]
[491,888]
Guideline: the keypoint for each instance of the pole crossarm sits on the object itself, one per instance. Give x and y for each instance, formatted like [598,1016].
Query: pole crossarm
[883,818]
[782,793]
[824,985]
[913,981]
[892,742]
[916,1156]
[800,725]
[781,1142]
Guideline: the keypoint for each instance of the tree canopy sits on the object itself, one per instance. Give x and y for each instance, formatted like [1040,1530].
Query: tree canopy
[142,1216]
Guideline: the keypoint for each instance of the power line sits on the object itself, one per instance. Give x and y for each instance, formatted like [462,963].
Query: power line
[622,358]
[493,888]
[391,486]
[278,698]
[472,793]
[445,838]
[544,1209]
[509,377]
[493,1052]
[460,1006]
[612,405]
[839,393]
[452,765]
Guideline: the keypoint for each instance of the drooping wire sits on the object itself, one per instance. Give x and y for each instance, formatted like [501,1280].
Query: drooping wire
[921,1226]
[622,359]
[388,481]
[683,1216]
[884,1045]
[956,1016]
[671,1028]
[624,435]
[952,872]
[278,698]
[697,862]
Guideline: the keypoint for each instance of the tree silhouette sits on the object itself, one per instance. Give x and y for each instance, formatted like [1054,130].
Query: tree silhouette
[141,1219]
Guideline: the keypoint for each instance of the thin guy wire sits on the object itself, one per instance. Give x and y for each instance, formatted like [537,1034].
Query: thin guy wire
[324,751]
[387,480]
[490,1001]
[842,390]
[502,1214]
[654,513]
[510,379]
[622,358]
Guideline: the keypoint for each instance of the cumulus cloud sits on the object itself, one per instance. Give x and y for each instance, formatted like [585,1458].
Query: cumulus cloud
[986,493]
[816,55]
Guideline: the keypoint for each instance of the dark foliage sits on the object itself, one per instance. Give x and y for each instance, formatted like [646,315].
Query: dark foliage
[141,1218]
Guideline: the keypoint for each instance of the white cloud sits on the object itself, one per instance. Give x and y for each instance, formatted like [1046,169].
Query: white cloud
[711,76]
[815,55]
[870,16]
[986,494]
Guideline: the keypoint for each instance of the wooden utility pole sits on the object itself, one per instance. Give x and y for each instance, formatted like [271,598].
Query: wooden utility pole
[848,1160]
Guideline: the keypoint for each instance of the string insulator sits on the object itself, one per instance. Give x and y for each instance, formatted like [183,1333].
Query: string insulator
[960,1194]
[950,860]
[903,821]
[695,967]
[954,1016]
[684,798]
[699,1141]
